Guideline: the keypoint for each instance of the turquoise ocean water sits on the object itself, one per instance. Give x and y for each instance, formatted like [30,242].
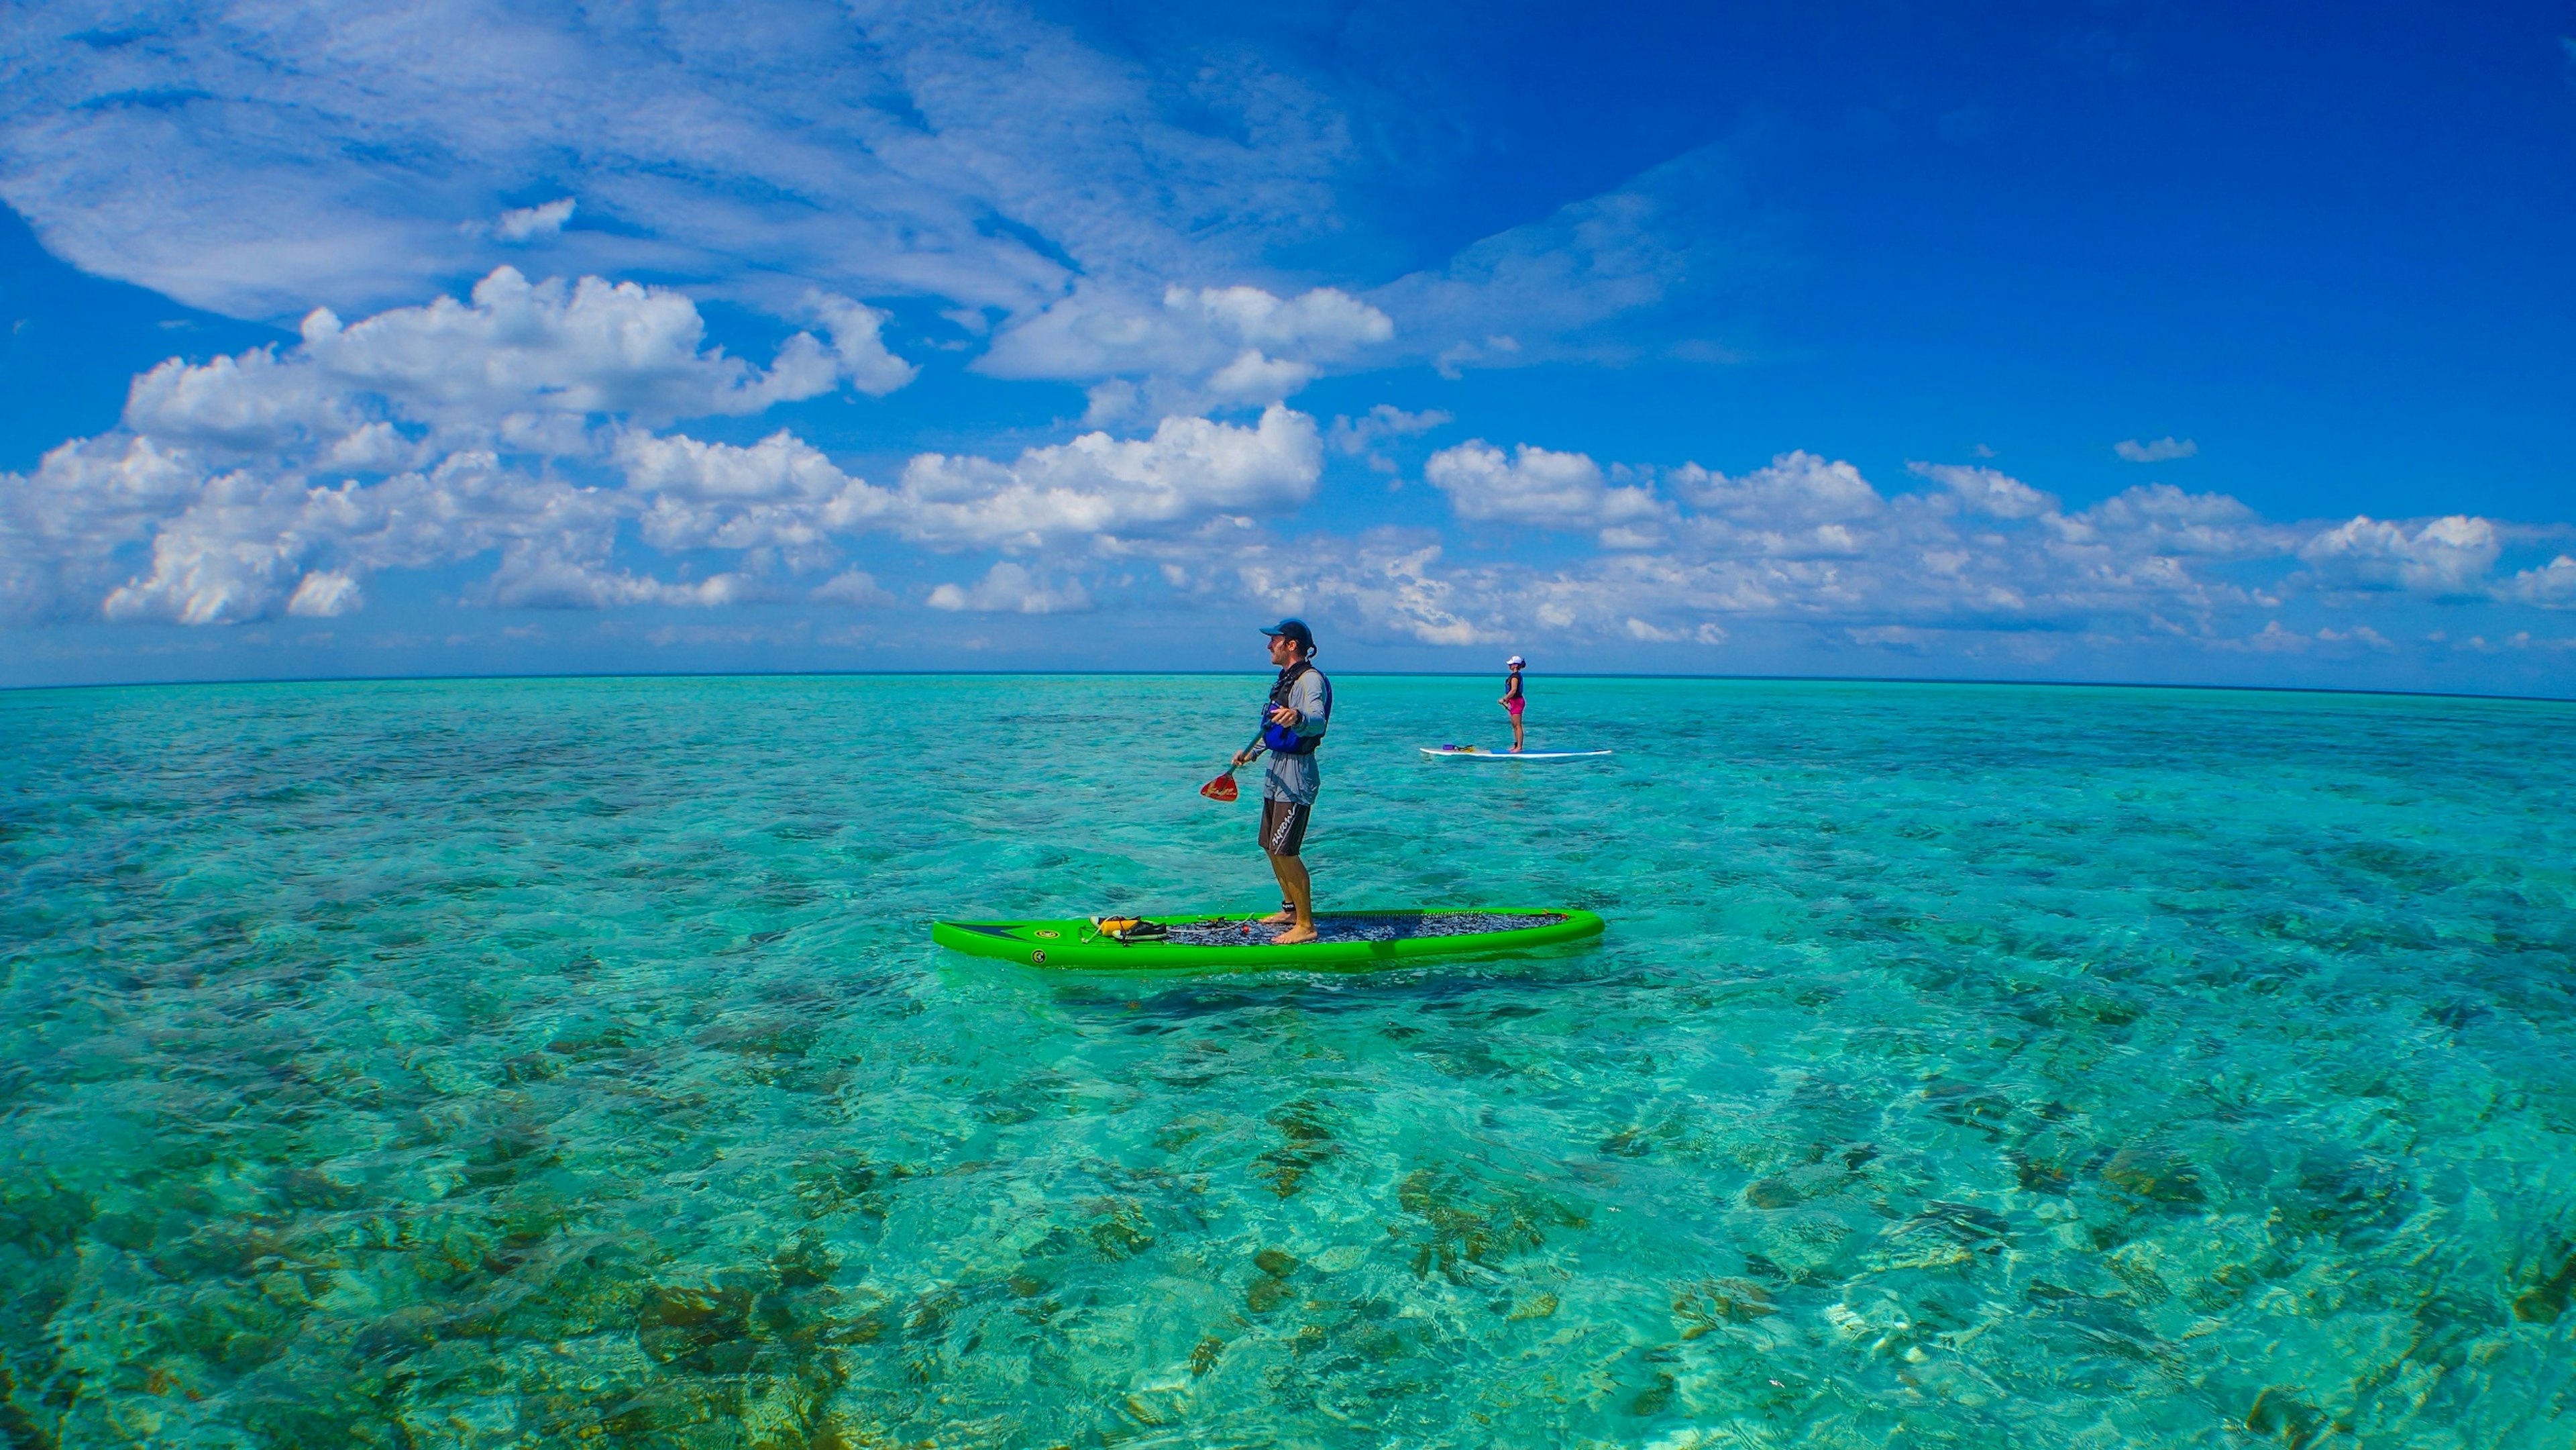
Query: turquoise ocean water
[566,1063]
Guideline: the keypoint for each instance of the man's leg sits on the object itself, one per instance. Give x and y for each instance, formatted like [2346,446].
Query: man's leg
[1299,888]
[1283,835]
[1273,842]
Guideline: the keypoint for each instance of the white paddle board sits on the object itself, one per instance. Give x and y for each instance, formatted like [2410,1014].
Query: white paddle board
[1527,757]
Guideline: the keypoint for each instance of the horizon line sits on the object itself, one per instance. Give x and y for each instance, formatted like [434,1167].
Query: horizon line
[462,678]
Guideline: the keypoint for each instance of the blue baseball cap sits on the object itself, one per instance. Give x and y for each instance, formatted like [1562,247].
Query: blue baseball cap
[1292,629]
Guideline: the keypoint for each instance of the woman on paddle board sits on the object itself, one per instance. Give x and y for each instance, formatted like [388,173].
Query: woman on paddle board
[1513,699]
[1292,725]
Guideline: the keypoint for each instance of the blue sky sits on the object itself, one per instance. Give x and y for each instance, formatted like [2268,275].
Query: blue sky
[2074,341]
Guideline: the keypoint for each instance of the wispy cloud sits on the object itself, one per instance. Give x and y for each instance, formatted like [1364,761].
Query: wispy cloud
[1081,219]
[1356,436]
[1359,437]
[981,154]
[1551,281]
[2158,451]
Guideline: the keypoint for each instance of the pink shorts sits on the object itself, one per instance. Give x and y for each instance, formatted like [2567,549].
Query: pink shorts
[1514,705]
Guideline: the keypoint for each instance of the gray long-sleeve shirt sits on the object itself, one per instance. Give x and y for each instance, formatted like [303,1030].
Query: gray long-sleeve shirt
[1297,777]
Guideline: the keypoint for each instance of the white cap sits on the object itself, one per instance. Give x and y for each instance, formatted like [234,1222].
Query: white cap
[1516,660]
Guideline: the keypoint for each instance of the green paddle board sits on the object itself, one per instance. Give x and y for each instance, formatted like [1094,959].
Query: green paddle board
[1348,941]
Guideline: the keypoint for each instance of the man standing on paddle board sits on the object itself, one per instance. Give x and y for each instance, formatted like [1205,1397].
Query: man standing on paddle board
[1513,699]
[1292,725]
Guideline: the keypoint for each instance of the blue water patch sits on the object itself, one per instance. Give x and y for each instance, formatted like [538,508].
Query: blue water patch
[566,1062]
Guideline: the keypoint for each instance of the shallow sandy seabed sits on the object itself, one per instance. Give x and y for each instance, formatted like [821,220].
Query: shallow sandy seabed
[538,1063]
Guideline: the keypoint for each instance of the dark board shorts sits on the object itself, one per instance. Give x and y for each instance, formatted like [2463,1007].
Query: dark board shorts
[1283,826]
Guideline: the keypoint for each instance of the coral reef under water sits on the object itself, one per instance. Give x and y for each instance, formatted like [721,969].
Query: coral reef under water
[563,1063]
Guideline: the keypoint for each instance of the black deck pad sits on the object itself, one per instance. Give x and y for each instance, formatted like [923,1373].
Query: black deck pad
[1364,928]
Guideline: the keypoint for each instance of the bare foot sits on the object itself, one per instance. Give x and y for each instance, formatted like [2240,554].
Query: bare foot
[1281,917]
[1292,936]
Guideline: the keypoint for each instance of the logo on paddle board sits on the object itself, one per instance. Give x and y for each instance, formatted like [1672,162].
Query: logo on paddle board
[1037,956]
[1049,935]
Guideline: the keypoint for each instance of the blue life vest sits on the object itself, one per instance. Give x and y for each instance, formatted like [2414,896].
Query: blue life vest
[1279,739]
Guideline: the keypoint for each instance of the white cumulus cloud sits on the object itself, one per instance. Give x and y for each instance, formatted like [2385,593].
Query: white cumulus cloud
[854,587]
[1543,489]
[2552,586]
[1389,581]
[325,594]
[243,474]
[521,362]
[1188,470]
[1796,505]
[131,528]
[2163,519]
[228,558]
[1806,538]
[521,223]
[780,494]
[2445,556]
[1988,491]
[858,350]
[1009,588]
[591,346]
[1199,348]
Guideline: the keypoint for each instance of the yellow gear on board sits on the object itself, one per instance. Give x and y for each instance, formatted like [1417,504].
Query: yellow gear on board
[1126,928]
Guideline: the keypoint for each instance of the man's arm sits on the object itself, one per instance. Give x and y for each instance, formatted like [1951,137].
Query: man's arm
[1307,698]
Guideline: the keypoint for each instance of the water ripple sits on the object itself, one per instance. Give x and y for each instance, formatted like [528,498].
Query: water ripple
[565,1062]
